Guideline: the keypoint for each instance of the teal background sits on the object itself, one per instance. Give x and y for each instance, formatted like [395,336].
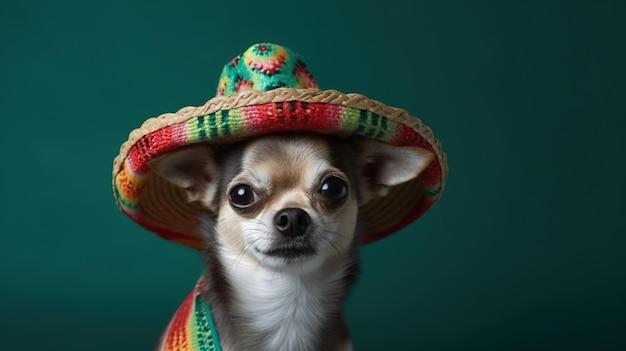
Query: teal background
[525,250]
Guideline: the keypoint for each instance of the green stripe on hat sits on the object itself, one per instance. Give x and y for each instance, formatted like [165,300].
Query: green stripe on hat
[367,124]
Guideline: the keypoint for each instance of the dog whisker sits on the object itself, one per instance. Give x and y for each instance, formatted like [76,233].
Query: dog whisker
[351,223]
[242,252]
[334,246]
[333,233]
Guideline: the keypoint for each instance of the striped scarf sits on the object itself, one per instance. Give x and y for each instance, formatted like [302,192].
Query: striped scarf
[192,328]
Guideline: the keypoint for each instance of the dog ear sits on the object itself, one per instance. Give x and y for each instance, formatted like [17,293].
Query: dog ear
[383,166]
[192,168]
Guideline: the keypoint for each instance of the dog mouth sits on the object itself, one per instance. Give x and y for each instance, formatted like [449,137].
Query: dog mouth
[291,251]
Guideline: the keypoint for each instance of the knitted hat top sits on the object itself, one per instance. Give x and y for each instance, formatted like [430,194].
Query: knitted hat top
[268,89]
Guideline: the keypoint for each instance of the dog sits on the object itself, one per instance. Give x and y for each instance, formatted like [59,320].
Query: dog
[282,230]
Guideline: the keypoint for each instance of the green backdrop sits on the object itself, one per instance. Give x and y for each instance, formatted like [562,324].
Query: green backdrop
[526,249]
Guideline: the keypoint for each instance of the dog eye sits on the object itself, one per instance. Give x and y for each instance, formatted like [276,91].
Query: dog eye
[334,188]
[242,196]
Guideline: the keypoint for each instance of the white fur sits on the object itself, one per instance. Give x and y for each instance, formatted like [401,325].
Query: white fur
[287,306]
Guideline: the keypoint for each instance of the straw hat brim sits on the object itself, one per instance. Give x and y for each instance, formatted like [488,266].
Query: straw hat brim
[162,208]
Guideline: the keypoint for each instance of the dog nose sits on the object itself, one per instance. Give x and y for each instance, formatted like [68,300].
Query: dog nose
[292,222]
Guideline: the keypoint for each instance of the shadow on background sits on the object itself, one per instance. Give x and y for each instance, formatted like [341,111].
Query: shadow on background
[524,251]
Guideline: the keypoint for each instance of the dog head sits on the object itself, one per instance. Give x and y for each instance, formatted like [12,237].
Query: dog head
[290,199]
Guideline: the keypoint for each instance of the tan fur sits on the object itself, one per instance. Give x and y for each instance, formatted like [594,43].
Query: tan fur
[285,167]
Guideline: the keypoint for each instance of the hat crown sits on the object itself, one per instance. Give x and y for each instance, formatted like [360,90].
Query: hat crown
[265,67]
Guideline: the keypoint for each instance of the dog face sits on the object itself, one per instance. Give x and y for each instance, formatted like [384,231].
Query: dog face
[293,202]
[290,200]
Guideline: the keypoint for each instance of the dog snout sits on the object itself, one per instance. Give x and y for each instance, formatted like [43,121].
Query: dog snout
[292,222]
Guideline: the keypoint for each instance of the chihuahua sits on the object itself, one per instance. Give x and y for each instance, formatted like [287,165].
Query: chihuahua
[282,230]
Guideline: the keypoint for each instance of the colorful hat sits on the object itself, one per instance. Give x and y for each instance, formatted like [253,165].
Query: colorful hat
[268,89]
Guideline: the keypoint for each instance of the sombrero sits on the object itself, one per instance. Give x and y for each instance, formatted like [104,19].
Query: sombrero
[268,89]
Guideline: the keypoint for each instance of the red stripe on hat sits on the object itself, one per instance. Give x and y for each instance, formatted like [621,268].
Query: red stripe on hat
[290,116]
[153,145]
[405,135]
[326,117]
